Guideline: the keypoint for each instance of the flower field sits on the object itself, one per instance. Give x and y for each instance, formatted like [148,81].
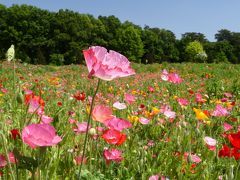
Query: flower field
[162,121]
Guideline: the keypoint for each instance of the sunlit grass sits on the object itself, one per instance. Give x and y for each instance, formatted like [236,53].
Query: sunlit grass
[155,148]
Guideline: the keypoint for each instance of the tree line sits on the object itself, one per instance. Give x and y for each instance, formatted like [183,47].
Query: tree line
[44,37]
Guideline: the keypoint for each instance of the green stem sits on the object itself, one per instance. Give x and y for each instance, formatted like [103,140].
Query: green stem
[6,153]
[14,74]
[88,123]
[14,92]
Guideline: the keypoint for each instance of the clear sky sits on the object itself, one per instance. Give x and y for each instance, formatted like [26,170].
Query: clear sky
[179,16]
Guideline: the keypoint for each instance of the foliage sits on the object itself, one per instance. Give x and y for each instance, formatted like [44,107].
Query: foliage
[195,53]
[40,34]
[130,43]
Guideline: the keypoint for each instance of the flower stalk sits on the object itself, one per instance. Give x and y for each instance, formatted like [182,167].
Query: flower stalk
[88,124]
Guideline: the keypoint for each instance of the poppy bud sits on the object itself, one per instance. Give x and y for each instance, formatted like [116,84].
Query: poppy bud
[20,98]
[92,131]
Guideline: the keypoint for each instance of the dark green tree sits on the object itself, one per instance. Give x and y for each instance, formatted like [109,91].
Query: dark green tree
[130,43]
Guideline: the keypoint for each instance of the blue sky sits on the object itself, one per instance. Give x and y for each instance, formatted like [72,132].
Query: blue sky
[179,16]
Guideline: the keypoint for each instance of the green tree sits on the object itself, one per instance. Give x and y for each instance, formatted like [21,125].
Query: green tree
[195,53]
[112,24]
[159,45]
[221,51]
[193,36]
[233,38]
[130,43]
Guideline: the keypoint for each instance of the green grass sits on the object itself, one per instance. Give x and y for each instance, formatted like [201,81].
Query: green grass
[171,139]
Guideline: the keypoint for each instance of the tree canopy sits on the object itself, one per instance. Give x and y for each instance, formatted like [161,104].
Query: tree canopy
[44,37]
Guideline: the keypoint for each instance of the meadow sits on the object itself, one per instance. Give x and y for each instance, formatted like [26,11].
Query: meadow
[160,129]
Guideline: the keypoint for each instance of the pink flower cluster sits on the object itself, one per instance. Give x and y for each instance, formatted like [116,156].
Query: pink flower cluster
[171,77]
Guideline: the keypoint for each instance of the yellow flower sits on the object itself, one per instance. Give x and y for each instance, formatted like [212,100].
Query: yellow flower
[218,101]
[134,92]
[133,119]
[110,89]
[155,111]
[147,114]
[1,95]
[200,115]
[175,97]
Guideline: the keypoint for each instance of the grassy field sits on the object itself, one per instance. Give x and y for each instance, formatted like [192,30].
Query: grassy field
[167,143]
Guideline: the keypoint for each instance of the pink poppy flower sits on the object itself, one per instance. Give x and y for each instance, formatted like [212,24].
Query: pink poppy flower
[81,127]
[99,129]
[12,158]
[78,159]
[117,124]
[170,114]
[119,105]
[220,111]
[198,98]
[151,143]
[4,90]
[112,155]
[89,99]
[165,108]
[36,135]
[227,94]
[227,126]
[101,113]
[171,77]
[106,65]
[129,98]
[210,142]
[46,119]
[150,89]
[154,177]
[143,120]
[174,78]
[193,157]
[3,161]
[72,121]
[182,101]
[164,75]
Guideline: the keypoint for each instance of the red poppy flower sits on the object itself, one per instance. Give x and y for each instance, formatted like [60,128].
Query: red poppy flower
[206,112]
[225,151]
[190,91]
[28,96]
[236,153]
[15,134]
[235,139]
[79,96]
[113,136]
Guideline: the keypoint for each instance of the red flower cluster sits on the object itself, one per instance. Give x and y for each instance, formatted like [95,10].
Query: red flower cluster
[112,136]
[30,100]
[235,150]
[15,134]
[79,96]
